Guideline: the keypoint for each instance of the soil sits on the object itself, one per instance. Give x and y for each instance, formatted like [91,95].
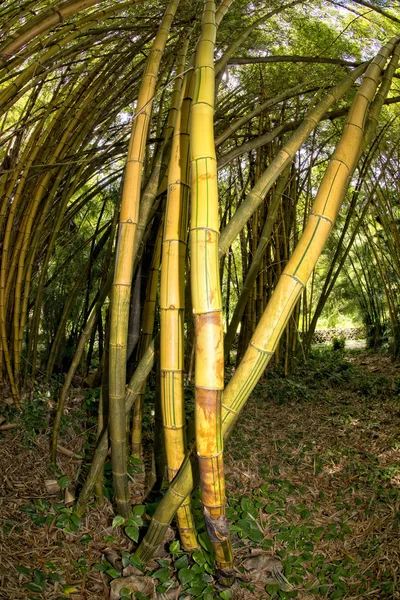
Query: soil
[319,457]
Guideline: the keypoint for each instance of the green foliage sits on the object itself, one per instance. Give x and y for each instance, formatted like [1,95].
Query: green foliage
[133,523]
[42,513]
[35,413]
[284,390]
[338,343]
[40,580]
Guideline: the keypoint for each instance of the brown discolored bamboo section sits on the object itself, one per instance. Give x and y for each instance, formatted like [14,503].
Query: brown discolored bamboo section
[206,295]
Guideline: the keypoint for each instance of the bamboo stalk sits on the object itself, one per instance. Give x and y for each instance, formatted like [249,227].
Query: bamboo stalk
[255,264]
[301,264]
[172,307]
[124,262]
[40,24]
[206,297]
[75,362]
[132,392]
[149,311]
[283,159]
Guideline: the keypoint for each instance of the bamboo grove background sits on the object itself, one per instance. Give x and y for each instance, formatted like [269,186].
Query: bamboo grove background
[170,174]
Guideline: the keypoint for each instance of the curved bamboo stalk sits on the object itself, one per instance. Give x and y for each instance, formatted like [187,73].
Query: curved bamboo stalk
[206,296]
[322,217]
[286,95]
[222,10]
[99,17]
[71,301]
[35,143]
[20,247]
[245,32]
[124,262]
[149,312]
[370,129]
[93,317]
[50,243]
[40,24]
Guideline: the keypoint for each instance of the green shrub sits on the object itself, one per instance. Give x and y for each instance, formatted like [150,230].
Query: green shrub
[338,343]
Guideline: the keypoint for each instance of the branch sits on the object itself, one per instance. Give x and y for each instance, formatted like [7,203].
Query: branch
[253,60]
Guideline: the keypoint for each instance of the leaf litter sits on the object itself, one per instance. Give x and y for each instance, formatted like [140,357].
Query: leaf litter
[313,480]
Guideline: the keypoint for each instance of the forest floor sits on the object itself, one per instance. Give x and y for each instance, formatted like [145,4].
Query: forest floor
[313,483]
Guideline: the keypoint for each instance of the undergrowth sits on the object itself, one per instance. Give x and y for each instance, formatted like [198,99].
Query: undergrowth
[315,481]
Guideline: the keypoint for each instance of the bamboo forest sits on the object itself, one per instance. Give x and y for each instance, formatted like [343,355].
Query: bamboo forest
[199,299]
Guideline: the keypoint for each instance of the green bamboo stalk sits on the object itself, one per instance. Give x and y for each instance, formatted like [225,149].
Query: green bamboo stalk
[256,262]
[149,311]
[93,317]
[124,263]
[40,24]
[132,393]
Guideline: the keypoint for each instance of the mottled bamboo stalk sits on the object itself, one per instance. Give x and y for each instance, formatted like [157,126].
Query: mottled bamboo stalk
[206,296]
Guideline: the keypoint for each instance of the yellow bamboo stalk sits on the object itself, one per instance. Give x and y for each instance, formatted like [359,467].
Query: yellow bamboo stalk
[34,145]
[206,295]
[124,262]
[323,214]
[172,306]
[146,206]
[36,45]
[40,24]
